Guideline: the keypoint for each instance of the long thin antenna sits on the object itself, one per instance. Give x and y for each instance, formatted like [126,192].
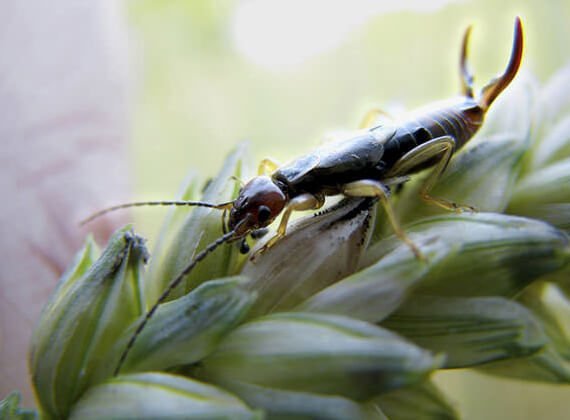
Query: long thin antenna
[156,203]
[201,255]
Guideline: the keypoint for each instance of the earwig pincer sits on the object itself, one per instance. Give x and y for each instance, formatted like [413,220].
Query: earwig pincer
[361,166]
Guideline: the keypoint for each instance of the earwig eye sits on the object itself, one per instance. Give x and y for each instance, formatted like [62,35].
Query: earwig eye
[263,214]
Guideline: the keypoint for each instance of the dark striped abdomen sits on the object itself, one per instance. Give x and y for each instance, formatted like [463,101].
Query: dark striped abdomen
[461,121]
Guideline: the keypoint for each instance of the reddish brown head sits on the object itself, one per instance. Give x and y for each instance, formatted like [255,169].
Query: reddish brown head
[259,202]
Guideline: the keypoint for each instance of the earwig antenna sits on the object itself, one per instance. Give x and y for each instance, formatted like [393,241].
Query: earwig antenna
[224,206]
[201,255]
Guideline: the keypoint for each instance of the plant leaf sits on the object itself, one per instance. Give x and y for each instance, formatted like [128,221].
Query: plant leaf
[172,223]
[159,395]
[422,401]
[376,291]
[201,227]
[318,353]
[83,319]
[549,304]
[185,330]
[545,195]
[470,331]
[494,254]
[554,146]
[482,176]
[545,366]
[10,409]
[291,405]
[315,253]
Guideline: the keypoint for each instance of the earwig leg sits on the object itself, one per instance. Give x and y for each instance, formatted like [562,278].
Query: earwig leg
[224,215]
[301,202]
[371,118]
[425,154]
[266,166]
[439,150]
[372,188]
[236,179]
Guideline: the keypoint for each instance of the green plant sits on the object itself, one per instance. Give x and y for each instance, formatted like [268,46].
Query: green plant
[339,319]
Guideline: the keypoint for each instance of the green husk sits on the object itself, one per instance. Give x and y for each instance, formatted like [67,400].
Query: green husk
[375,292]
[10,409]
[201,227]
[332,243]
[471,331]
[318,353]
[280,404]
[185,330]
[420,402]
[338,319]
[159,396]
[492,254]
[84,317]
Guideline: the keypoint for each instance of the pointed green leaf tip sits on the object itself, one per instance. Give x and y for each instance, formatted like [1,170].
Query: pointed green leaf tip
[419,402]
[160,396]
[84,317]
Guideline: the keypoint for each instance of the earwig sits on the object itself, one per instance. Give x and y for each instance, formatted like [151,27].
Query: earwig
[361,166]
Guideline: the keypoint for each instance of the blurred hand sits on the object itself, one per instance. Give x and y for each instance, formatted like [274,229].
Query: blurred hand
[63,156]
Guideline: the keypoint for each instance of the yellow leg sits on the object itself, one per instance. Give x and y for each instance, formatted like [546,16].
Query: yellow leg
[440,149]
[372,116]
[236,179]
[432,180]
[267,166]
[224,215]
[301,202]
[372,188]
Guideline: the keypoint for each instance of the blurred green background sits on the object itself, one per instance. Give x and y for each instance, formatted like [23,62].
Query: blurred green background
[287,74]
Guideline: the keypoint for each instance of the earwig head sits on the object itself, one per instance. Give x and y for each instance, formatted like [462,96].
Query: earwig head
[260,201]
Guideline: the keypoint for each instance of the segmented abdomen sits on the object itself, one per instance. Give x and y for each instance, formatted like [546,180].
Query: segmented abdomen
[460,121]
